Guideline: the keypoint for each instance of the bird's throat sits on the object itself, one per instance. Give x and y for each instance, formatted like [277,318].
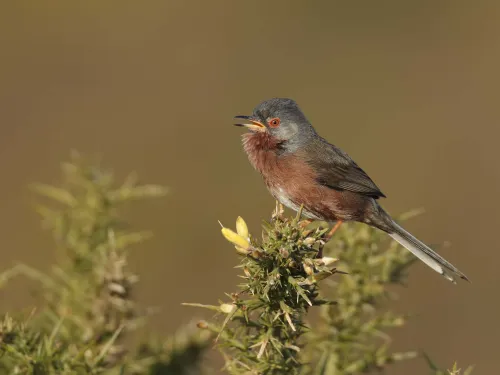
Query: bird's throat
[262,150]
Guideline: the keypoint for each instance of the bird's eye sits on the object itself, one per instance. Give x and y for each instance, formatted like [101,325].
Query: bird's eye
[274,122]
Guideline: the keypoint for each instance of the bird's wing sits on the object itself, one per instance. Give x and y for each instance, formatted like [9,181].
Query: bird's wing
[338,171]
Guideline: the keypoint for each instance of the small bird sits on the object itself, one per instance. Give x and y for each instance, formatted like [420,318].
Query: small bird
[301,169]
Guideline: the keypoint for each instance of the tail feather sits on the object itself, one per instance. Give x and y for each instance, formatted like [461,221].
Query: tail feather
[425,253]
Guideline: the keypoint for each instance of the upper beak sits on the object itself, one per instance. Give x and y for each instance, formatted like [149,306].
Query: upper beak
[254,124]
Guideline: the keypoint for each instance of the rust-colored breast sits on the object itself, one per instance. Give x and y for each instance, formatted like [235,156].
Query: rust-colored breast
[294,183]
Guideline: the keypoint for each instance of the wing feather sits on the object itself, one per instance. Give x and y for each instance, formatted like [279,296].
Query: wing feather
[337,170]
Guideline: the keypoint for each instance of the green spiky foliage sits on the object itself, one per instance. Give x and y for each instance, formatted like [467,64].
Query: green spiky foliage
[265,319]
[89,294]
[350,336]
[455,370]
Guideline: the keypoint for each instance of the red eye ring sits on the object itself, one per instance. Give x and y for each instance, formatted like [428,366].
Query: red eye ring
[274,122]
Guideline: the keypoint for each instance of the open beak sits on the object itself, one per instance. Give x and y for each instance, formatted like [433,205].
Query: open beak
[254,125]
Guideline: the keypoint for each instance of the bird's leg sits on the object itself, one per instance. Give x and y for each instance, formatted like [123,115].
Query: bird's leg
[330,234]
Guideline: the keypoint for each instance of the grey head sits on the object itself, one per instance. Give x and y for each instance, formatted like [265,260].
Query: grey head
[282,119]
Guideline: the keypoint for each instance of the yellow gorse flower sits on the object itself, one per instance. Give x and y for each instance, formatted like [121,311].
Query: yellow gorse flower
[241,227]
[239,239]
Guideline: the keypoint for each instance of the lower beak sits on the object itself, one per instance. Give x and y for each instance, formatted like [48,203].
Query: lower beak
[253,125]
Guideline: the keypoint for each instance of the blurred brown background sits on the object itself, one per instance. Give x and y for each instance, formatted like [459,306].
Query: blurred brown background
[409,89]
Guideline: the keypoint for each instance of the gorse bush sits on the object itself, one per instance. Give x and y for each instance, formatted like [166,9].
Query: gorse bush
[301,308]
[269,333]
[271,305]
[89,307]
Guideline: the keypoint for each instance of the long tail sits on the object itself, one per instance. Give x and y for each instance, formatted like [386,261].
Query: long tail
[425,253]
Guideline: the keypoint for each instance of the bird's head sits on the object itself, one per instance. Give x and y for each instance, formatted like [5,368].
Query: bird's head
[280,118]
